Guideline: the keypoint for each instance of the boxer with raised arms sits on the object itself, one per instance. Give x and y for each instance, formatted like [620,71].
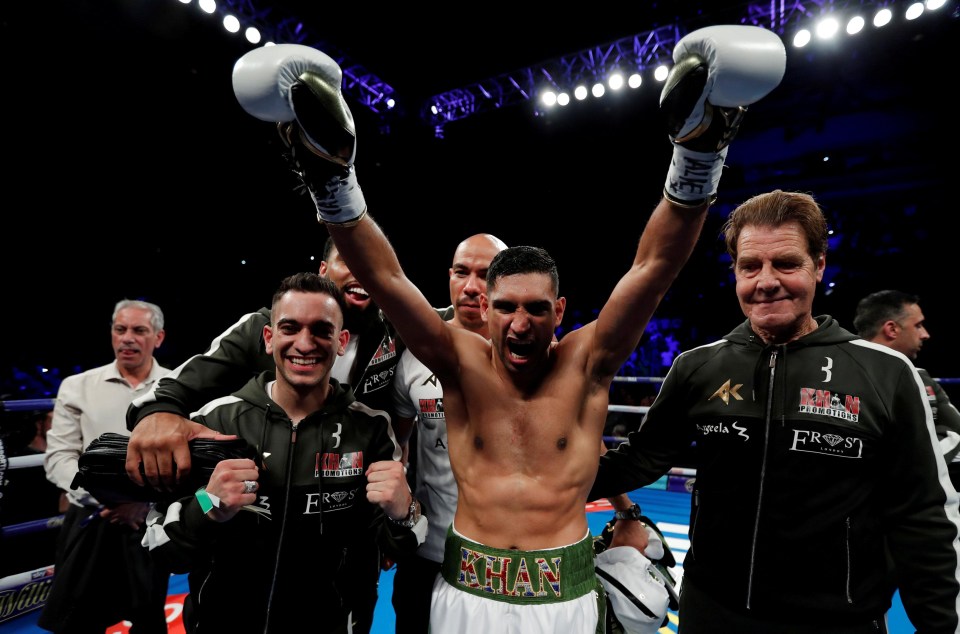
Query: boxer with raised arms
[524,413]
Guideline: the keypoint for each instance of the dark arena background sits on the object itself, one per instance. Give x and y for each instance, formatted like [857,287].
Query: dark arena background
[131,171]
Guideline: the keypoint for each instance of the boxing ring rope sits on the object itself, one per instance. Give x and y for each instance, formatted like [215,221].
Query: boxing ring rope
[27,591]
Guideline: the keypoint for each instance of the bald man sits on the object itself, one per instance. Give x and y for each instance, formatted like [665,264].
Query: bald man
[418,397]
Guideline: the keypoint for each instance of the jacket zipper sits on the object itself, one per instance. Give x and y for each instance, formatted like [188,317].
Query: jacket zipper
[768,417]
[693,529]
[283,521]
[318,472]
[846,539]
[203,585]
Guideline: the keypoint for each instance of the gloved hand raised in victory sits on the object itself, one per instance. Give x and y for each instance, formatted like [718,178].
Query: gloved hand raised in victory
[298,87]
[718,71]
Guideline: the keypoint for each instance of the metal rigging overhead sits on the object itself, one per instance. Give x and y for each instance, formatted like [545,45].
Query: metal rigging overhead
[635,53]
[359,83]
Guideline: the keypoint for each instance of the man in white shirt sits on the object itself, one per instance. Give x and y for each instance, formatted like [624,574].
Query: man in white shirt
[103,574]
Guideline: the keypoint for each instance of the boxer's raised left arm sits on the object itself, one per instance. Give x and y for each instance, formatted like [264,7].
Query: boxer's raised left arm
[718,71]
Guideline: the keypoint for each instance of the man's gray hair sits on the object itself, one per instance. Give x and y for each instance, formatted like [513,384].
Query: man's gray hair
[156,315]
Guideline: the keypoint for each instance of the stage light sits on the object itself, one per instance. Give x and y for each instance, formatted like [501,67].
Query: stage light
[252,34]
[598,90]
[615,81]
[580,92]
[231,23]
[933,5]
[208,6]
[827,28]
[855,25]
[563,99]
[548,98]
[882,17]
[634,80]
[914,11]
[661,72]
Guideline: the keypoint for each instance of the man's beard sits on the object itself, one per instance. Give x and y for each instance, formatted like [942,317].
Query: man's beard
[357,320]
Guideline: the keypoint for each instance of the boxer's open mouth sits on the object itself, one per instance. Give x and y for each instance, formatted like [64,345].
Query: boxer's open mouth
[518,349]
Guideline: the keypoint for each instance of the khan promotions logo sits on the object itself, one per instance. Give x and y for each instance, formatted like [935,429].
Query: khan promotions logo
[826,403]
[386,351]
[335,465]
[431,408]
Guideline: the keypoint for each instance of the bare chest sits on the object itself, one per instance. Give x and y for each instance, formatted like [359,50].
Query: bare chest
[549,425]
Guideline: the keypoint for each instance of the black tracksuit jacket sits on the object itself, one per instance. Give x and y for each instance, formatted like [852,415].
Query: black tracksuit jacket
[298,560]
[812,458]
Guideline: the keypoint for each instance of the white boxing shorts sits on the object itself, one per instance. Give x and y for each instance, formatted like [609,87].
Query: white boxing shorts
[483,589]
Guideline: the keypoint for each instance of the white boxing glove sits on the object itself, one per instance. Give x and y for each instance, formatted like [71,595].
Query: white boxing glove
[718,71]
[299,87]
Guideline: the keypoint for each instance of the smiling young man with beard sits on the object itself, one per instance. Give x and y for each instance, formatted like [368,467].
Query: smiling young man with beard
[268,545]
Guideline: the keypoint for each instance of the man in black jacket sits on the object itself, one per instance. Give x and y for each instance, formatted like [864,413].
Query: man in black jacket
[816,443]
[159,420]
[894,319]
[275,546]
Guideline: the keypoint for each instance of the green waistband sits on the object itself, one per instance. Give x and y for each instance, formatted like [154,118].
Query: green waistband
[518,576]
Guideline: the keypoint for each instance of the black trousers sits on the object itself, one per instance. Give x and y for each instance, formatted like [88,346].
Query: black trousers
[699,614]
[412,590]
[102,575]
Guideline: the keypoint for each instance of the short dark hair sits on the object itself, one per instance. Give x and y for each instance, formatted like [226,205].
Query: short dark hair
[774,209]
[878,308]
[522,259]
[309,283]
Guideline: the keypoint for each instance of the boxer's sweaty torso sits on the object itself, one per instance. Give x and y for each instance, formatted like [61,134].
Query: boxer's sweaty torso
[525,459]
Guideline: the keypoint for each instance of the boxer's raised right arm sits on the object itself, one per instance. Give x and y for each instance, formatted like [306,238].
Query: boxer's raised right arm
[300,87]
[372,260]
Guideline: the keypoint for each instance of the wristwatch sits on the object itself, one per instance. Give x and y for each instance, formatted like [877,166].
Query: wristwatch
[632,513]
[413,515]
